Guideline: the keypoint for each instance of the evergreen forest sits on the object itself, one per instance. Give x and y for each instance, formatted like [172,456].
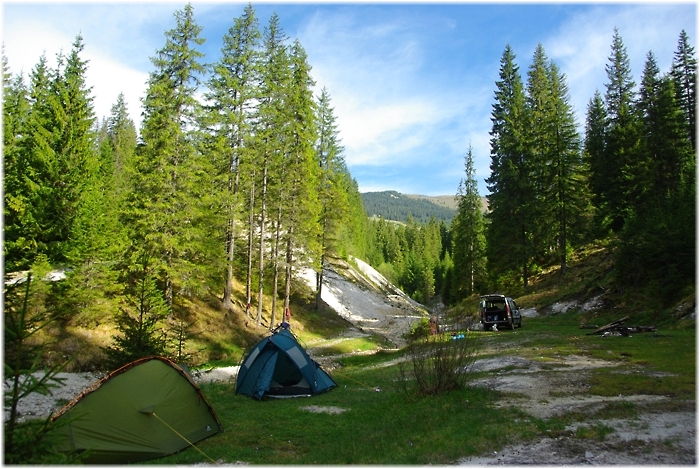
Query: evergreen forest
[236,178]
[392,205]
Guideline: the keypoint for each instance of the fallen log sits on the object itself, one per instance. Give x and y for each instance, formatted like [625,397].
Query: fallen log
[618,326]
[612,325]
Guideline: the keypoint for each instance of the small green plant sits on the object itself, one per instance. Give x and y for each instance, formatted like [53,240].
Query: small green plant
[30,441]
[139,324]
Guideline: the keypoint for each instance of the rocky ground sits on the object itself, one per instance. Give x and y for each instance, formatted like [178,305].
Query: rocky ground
[374,306]
[654,437]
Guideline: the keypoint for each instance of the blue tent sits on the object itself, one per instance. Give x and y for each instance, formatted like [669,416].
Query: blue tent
[279,366]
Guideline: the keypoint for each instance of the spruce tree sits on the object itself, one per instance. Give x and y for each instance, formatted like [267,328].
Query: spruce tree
[270,124]
[511,198]
[567,193]
[75,171]
[541,136]
[168,207]
[684,73]
[622,146]
[32,230]
[232,93]
[655,252]
[332,191]
[121,133]
[301,207]
[594,155]
[468,236]
[17,248]
[140,321]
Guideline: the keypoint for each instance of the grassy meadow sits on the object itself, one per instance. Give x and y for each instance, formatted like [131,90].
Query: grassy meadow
[380,424]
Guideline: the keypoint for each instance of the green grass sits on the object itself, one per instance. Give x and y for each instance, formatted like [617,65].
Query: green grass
[387,427]
[360,344]
[376,428]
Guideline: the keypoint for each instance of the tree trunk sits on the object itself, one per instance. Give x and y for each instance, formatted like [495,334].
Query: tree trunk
[319,285]
[288,269]
[229,268]
[251,233]
[261,251]
[275,262]
[231,240]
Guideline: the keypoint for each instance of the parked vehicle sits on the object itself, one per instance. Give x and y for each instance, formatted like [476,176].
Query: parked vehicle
[499,310]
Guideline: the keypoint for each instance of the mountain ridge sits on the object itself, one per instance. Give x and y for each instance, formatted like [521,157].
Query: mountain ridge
[395,206]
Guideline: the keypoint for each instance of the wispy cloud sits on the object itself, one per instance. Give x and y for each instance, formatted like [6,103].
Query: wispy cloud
[581,46]
[110,41]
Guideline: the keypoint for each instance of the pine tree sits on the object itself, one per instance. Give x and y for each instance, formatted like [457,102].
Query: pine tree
[168,206]
[684,72]
[18,250]
[301,207]
[541,136]
[332,192]
[594,153]
[270,126]
[668,148]
[622,139]
[567,192]
[509,237]
[76,165]
[356,230]
[121,133]
[31,234]
[139,323]
[468,236]
[233,96]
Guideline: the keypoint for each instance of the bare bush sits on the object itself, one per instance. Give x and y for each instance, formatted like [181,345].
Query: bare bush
[437,363]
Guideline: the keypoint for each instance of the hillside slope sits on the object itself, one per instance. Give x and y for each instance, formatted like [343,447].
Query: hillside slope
[393,205]
[363,297]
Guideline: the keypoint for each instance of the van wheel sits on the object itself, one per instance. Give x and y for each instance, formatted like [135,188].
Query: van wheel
[512,326]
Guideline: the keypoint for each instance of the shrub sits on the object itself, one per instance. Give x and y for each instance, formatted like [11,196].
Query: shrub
[437,363]
[140,324]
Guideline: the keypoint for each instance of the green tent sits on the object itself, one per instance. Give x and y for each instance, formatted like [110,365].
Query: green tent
[279,366]
[146,409]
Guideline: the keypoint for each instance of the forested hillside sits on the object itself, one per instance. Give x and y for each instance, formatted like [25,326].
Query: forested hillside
[393,205]
[235,177]
[625,184]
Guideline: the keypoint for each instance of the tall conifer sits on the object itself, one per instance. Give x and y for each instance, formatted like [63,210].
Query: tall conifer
[332,192]
[622,138]
[165,210]
[301,207]
[232,93]
[510,235]
[684,73]
[468,235]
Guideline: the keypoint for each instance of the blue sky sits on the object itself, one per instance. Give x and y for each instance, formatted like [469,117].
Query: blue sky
[412,84]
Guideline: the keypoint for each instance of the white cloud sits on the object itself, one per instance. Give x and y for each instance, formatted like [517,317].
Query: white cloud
[581,46]
[27,40]
[108,78]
